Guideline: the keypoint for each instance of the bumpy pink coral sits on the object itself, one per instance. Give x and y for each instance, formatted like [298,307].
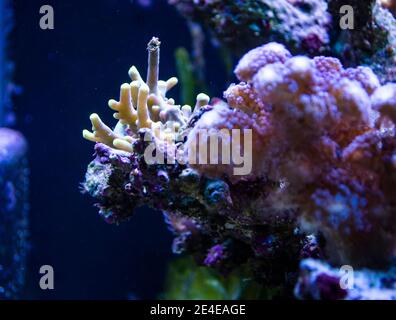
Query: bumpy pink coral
[317,130]
[257,58]
[242,96]
[384,101]
[223,122]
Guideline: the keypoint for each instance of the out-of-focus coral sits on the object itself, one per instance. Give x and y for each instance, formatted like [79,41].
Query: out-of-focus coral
[242,25]
[190,73]
[142,105]
[321,183]
[388,4]
[319,281]
[371,42]
[13,176]
[304,27]
[13,213]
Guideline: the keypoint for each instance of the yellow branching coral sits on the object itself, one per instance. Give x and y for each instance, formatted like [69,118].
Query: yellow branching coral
[143,104]
[127,114]
[101,132]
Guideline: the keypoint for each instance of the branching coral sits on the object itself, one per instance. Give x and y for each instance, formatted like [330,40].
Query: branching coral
[205,214]
[323,169]
[142,105]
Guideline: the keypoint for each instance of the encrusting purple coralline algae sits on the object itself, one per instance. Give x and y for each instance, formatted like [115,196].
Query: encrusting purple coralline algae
[322,178]
[309,27]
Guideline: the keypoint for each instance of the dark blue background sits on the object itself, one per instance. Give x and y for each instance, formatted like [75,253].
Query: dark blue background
[67,74]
